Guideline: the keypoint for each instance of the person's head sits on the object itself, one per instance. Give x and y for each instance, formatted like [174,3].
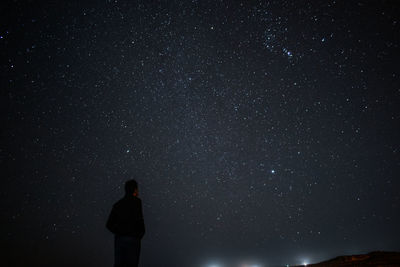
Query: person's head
[131,188]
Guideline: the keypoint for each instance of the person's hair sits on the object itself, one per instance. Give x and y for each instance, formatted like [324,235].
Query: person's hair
[130,187]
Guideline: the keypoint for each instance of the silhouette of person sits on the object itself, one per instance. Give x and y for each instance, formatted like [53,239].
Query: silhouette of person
[127,224]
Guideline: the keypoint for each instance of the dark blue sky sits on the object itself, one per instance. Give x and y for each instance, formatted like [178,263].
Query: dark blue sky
[261,131]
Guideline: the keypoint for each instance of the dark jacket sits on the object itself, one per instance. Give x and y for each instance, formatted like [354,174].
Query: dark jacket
[126,217]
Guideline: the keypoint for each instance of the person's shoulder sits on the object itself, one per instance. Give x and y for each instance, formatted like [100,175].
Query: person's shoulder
[119,202]
[135,201]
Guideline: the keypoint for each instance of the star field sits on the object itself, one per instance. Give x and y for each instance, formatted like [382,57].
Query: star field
[261,131]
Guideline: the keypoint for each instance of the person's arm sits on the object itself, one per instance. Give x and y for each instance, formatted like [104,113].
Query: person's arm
[141,222]
[111,220]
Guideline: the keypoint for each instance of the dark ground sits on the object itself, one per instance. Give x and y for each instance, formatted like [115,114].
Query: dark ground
[378,258]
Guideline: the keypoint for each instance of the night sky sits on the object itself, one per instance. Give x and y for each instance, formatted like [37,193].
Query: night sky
[260,132]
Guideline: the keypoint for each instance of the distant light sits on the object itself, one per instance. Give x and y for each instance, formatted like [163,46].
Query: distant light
[272,171]
[305,263]
[250,265]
